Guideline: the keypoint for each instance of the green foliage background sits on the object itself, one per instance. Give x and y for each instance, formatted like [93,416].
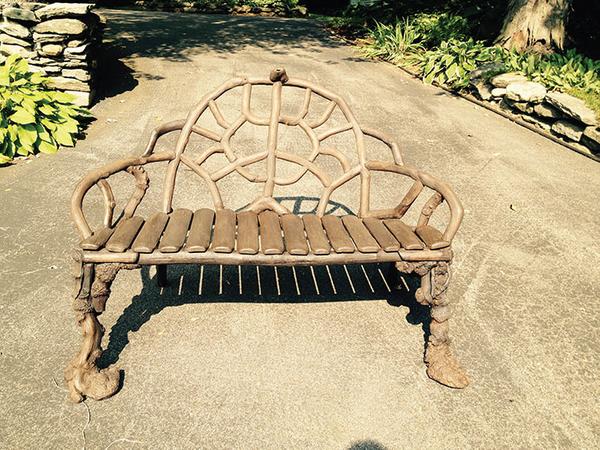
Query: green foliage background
[34,117]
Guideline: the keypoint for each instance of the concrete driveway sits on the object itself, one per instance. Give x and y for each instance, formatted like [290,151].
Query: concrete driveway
[311,371]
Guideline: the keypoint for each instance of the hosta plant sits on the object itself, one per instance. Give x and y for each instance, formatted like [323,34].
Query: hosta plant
[451,62]
[34,117]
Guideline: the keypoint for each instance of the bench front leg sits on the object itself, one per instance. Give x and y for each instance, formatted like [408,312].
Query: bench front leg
[442,366]
[92,289]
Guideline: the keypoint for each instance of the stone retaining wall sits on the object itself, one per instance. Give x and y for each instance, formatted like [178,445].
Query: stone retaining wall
[561,114]
[58,39]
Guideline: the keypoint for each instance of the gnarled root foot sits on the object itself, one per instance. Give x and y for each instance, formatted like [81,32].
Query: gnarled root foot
[82,376]
[443,367]
[91,382]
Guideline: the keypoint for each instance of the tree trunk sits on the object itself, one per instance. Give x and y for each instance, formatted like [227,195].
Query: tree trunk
[537,25]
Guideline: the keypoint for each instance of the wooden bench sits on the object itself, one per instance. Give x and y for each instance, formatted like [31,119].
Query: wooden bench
[264,232]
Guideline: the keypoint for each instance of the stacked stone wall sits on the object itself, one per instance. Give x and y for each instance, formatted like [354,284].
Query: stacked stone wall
[59,39]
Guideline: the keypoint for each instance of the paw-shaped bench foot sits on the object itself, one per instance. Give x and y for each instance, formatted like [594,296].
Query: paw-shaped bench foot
[443,367]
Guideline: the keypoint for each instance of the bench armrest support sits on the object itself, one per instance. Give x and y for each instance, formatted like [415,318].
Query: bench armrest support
[133,166]
[443,192]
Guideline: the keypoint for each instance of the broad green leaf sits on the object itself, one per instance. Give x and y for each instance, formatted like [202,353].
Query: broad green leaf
[47,147]
[62,137]
[27,134]
[22,116]
[46,110]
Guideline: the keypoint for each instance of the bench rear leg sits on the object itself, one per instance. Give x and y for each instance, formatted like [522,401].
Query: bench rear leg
[82,375]
[442,366]
[162,278]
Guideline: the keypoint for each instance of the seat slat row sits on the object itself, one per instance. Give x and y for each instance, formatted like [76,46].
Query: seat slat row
[248,233]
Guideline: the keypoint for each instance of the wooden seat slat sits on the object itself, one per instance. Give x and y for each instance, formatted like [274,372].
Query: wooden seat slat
[247,233]
[384,237]
[147,239]
[97,240]
[432,237]
[338,237]
[363,240]
[319,244]
[174,236]
[403,233]
[271,241]
[200,231]
[293,234]
[224,232]
[124,234]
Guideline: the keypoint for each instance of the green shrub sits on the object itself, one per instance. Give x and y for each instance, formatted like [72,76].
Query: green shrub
[276,4]
[436,28]
[33,116]
[392,42]
[556,71]
[451,62]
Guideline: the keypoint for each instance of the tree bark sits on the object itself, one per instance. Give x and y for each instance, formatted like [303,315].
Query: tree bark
[537,25]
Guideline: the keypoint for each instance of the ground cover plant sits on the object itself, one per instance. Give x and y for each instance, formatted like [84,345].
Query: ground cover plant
[34,117]
[437,47]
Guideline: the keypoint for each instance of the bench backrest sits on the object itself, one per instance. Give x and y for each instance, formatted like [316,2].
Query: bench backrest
[271,154]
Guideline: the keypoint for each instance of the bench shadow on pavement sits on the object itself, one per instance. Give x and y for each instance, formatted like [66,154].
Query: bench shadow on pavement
[193,284]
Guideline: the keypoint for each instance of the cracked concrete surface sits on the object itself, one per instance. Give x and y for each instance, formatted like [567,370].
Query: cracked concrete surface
[248,372]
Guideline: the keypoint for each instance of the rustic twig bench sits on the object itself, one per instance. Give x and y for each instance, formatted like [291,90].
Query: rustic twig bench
[265,232]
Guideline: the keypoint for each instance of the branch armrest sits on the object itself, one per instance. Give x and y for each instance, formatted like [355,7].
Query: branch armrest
[99,177]
[442,192]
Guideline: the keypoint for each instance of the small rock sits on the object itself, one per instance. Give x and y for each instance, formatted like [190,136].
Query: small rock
[16,50]
[485,69]
[482,90]
[75,43]
[70,84]
[505,79]
[79,74]
[43,38]
[34,68]
[77,50]
[498,92]
[14,29]
[545,110]
[526,91]
[52,69]
[21,14]
[64,10]
[538,122]
[572,106]
[10,40]
[568,129]
[591,138]
[82,98]
[61,26]
[51,50]
[523,107]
